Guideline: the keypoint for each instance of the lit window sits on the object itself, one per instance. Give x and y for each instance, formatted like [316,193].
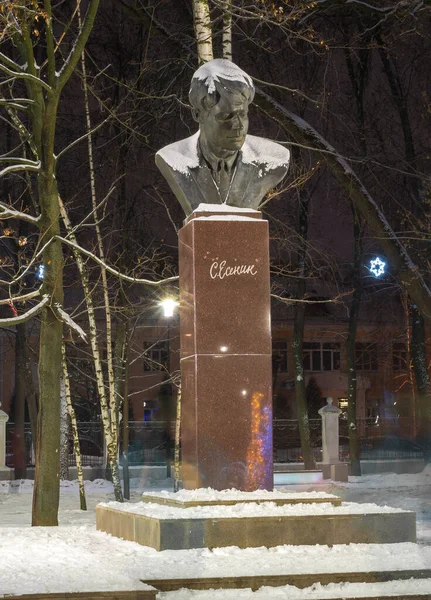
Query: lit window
[343,403]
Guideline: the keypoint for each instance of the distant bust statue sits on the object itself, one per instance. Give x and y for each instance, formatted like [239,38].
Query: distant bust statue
[221,164]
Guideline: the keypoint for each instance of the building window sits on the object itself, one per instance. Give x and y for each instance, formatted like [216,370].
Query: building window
[321,356]
[399,356]
[156,356]
[366,356]
[279,356]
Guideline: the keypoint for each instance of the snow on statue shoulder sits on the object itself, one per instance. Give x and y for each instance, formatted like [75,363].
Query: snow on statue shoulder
[221,164]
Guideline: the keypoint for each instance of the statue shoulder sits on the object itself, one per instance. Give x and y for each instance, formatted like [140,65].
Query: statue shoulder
[265,153]
[180,156]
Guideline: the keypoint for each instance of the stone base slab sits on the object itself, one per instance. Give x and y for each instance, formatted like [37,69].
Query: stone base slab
[251,532]
[299,580]
[123,595]
[6,474]
[300,499]
[336,472]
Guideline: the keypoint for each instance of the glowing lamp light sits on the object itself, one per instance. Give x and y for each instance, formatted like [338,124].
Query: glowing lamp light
[168,307]
[40,273]
[377,267]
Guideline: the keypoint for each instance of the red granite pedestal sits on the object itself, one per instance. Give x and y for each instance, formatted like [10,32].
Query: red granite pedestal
[226,422]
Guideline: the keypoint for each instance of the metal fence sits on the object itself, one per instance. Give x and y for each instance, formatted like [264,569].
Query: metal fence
[379,439]
[149,443]
[152,442]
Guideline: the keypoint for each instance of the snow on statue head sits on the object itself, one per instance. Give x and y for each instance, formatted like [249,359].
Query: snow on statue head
[221,163]
[218,78]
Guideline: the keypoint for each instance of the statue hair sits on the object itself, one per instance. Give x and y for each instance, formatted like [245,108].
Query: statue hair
[200,99]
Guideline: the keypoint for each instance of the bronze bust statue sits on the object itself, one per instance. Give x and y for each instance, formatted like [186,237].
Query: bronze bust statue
[221,164]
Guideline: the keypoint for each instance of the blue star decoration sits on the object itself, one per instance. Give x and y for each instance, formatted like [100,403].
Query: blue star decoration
[377,267]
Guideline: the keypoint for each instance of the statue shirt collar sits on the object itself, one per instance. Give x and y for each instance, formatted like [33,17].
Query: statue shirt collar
[214,162]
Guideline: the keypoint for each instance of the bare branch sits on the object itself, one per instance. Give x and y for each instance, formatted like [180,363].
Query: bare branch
[22,166]
[69,321]
[302,131]
[114,271]
[27,76]
[335,300]
[27,315]
[12,104]
[83,137]
[11,63]
[79,45]
[9,213]
[22,298]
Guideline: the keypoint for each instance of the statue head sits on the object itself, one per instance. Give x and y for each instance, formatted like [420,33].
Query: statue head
[220,94]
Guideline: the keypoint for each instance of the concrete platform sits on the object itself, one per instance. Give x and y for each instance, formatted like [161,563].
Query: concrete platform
[186,532]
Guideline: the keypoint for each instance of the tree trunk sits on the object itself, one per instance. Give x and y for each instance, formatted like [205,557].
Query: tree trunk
[203,30]
[420,209]
[64,433]
[46,494]
[396,252]
[19,406]
[423,398]
[31,399]
[298,339]
[355,464]
[110,432]
[177,463]
[72,415]
[227,29]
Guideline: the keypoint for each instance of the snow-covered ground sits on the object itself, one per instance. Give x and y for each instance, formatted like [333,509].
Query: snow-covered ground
[76,557]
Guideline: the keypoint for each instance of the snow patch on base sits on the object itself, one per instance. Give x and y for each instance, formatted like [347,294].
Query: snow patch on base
[236,511]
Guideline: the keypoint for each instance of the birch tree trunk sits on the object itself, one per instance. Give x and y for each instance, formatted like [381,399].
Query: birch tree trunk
[64,432]
[110,431]
[177,462]
[203,30]
[227,29]
[74,426]
[113,402]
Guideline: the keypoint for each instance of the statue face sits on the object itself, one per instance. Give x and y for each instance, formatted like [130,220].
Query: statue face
[225,125]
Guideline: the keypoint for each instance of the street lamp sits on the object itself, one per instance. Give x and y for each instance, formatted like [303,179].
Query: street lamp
[168,305]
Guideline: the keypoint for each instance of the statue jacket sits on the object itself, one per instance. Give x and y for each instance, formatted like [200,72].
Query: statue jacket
[260,165]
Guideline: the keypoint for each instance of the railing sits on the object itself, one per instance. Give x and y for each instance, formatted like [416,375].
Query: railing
[149,443]
[152,442]
[380,439]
